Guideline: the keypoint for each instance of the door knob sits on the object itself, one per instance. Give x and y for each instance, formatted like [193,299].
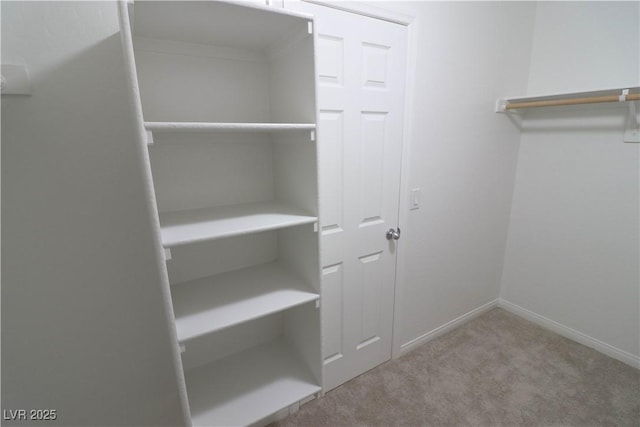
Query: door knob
[393,234]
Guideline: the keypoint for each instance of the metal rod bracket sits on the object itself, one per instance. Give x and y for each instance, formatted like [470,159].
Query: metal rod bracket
[632,126]
[501,105]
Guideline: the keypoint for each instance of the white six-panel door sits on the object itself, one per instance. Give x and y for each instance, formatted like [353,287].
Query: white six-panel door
[361,72]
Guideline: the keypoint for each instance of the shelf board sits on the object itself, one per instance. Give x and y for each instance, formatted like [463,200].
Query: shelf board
[247,387]
[198,225]
[213,303]
[204,127]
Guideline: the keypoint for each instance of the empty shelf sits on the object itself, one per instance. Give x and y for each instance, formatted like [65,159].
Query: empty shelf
[213,303]
[184,227]
[247,25]
[247,387]
[174,127]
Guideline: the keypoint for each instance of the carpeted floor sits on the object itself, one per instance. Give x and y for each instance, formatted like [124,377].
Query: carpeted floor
[497,370]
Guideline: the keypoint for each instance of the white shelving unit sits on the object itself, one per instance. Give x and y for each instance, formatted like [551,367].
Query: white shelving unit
[227,92]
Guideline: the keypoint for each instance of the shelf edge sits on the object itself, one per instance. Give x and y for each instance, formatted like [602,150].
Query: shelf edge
[181,242]
[172,127]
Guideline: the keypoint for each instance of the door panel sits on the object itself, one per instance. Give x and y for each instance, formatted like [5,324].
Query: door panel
[331,211]
[332,290]
[372,167]
[360,73]
[330,68]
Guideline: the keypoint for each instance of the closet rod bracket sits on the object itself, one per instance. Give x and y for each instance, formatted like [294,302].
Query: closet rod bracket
[632,126]
[501,105]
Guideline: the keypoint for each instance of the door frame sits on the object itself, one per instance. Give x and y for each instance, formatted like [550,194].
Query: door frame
[408,20]
[367,9]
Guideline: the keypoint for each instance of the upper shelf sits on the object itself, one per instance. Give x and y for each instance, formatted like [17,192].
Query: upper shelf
[245,67]
[198,225]
[245,26]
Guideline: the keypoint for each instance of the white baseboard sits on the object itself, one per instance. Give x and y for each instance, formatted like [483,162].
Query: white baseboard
[458,321]
[572,334]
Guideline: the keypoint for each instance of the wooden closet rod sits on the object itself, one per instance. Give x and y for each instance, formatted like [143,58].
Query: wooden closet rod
[573,101]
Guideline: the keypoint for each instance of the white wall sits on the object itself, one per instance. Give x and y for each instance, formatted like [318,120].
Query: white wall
[572,258]
[463,157]
[84,329]
[584,45]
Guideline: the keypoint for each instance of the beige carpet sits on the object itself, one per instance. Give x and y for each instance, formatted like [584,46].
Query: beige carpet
[497,370]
